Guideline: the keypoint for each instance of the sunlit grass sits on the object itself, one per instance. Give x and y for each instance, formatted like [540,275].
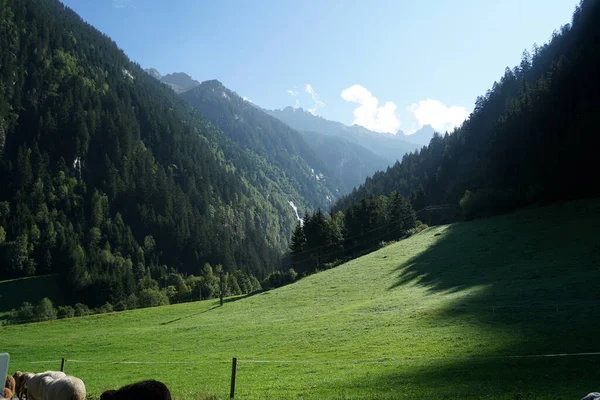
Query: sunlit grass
[429,317]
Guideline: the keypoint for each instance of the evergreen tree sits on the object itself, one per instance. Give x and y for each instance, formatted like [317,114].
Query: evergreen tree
[298,248]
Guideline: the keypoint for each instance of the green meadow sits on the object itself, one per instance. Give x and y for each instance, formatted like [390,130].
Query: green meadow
[457,311]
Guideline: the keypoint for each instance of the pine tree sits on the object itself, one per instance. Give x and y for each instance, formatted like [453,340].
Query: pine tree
[298,242]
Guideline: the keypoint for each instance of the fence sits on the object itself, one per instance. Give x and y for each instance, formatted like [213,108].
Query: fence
[235,362]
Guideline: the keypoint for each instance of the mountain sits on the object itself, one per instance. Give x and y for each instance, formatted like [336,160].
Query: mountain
[349,162]
[154,73]
[286,154]
[178,81]
[391,147]
[115,183]
[339,164]
[422,137]
[529,140]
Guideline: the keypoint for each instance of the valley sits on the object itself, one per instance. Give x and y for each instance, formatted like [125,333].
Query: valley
[445,313]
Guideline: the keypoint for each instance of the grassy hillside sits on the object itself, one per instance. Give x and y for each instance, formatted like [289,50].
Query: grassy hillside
[433,316]
[15,291]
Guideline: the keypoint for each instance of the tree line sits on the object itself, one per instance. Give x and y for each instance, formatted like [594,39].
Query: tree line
[171,288]
[322,240]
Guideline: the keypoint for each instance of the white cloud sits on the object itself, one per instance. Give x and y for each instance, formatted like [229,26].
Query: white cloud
[441,117]
[247,99]
[292,92]
[316,99]
[297,104]
[369,114]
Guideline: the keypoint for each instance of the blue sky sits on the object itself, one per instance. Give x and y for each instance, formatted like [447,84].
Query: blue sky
[383,64]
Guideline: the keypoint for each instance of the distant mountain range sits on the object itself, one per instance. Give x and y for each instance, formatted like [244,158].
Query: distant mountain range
[178,81]
[421,137]
[390,147]
[344,155]
[339,163]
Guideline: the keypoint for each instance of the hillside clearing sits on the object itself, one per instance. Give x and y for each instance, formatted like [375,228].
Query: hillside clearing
[433,316]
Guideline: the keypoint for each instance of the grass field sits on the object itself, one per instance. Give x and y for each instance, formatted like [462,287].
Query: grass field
[15,291]
[431,317]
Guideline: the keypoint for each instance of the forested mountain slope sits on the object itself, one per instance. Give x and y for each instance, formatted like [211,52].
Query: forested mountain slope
[529,139]
[288,159]
[348,162]
[109,178]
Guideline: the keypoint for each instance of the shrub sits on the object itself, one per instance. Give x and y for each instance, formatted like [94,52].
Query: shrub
[131,302]
[121,305]
[152,298]
[24,313]
[65,312]
[273,280]
[291,275]
[277,278]
[81,310]
[106,308]
[420,227]
[171,292]
[45,311]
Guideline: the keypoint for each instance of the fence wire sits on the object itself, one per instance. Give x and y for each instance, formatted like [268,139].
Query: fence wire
[332,361]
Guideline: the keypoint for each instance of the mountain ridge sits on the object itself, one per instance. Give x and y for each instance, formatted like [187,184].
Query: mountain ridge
[386,145]
[421,137]
[267,137]
[178,81]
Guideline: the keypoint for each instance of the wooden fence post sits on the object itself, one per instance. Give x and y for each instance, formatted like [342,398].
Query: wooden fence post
[221,287]
[62,365]
[233,369]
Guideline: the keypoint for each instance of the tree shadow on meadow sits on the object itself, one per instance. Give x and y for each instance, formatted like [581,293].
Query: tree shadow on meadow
[529,282]
[216,306]
[557,378]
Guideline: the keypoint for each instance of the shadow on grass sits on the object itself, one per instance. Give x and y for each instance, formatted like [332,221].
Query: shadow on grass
[540,257]
[242,297]
[539,379]
[225,301]
[530,283]
[189,316]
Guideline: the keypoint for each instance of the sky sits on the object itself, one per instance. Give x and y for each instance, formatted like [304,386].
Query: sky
[387,65]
